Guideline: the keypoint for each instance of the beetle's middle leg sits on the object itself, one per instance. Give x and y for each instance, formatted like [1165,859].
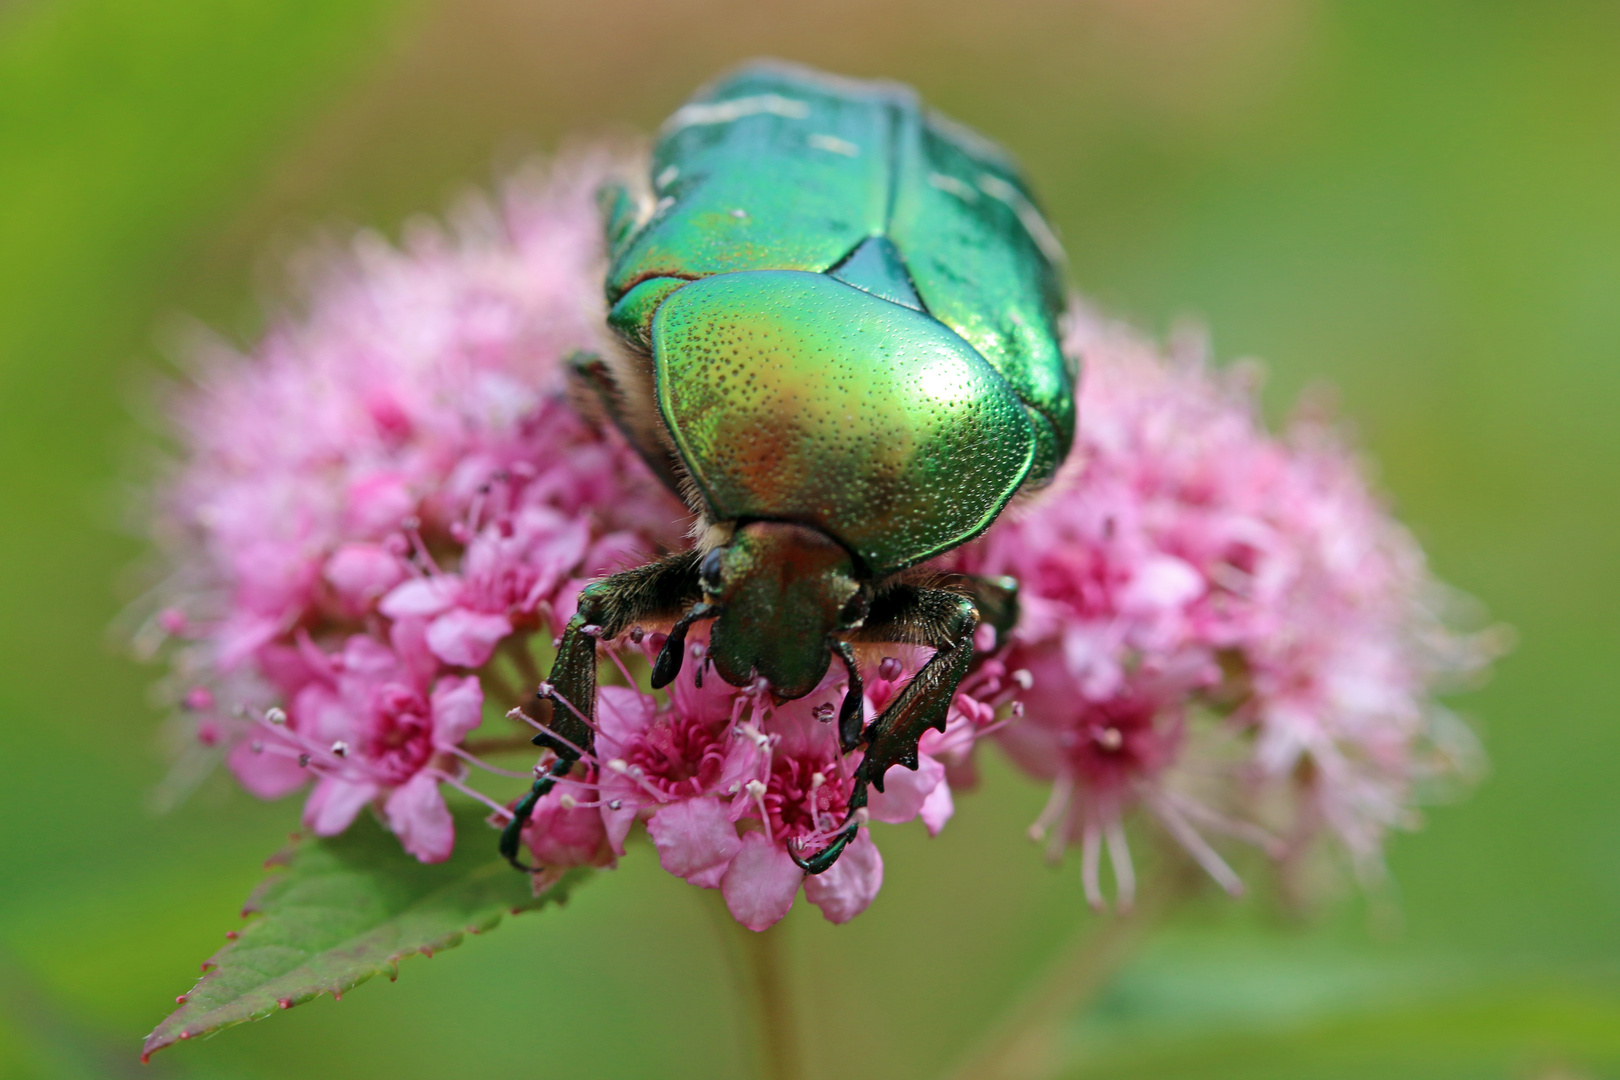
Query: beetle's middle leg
[665,588]
[942,618]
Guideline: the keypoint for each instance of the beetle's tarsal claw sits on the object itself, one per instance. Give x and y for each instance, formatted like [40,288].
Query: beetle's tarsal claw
[668,664]
[822,861]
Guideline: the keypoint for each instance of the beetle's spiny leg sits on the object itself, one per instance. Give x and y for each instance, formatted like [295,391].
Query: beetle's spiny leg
[938,617]
[947,620]
[548,692]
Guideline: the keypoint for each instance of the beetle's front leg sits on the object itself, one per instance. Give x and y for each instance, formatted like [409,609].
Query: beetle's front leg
[944,619]
[607,608]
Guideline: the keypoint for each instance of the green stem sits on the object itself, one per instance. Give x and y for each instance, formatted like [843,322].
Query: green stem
[498,687]
[517,647]
[773,1002]
[1027,1042]
[498,745]
[762,970]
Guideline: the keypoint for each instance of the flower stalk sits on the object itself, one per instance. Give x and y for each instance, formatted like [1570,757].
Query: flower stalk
[1027,1042]
[761,971]
[770,989]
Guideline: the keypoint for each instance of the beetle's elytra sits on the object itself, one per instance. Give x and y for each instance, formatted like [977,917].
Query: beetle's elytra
[839,315]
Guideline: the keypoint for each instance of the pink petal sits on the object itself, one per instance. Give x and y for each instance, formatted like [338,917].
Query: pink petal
[286,668]
[761,883]
[458,707]
[269,776]
[418,816]
[334,804]
[409,638]
[623,714]
[360,573]
[242,633]
[712,701]
[743,762]
[572,836]
[466,638]
[618,822]
[421,596]
[366,657]
[695,840]
[1161,582]
[938,808]
[846,890]
[319,712]
[615,551]
[905,790]
[377,503]
[631,797]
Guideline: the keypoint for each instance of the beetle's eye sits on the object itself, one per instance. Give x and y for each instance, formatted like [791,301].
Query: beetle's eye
[710,571]
[854,612]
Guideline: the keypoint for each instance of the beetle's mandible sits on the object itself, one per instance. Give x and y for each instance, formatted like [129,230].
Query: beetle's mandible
[839,314]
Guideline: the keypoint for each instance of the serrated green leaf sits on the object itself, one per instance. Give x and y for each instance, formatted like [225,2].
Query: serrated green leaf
[341,911]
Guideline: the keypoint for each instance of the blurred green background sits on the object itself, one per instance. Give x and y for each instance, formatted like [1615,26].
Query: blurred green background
[1419,203]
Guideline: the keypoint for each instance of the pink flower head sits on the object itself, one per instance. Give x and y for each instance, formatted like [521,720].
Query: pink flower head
[382,503]
[1190,574]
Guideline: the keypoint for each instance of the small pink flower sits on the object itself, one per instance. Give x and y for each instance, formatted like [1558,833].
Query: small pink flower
[656,762]
[376,728]
[508,570]
[564,833]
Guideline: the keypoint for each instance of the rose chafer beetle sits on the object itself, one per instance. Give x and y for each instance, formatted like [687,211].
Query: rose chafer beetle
[839,312]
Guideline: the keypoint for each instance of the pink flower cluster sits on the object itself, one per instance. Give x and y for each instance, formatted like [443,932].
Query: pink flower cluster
[384,493]
[731,786]
[384,513]
[1225,627]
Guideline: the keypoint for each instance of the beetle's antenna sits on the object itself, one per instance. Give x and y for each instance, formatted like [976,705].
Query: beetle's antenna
[668,664]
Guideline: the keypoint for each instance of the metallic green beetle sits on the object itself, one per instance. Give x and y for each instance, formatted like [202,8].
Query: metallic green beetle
[839,311]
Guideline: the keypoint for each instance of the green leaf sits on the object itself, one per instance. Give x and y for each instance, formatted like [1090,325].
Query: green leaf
[343,910]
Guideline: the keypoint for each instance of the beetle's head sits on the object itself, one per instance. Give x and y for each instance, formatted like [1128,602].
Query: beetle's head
[783,591]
